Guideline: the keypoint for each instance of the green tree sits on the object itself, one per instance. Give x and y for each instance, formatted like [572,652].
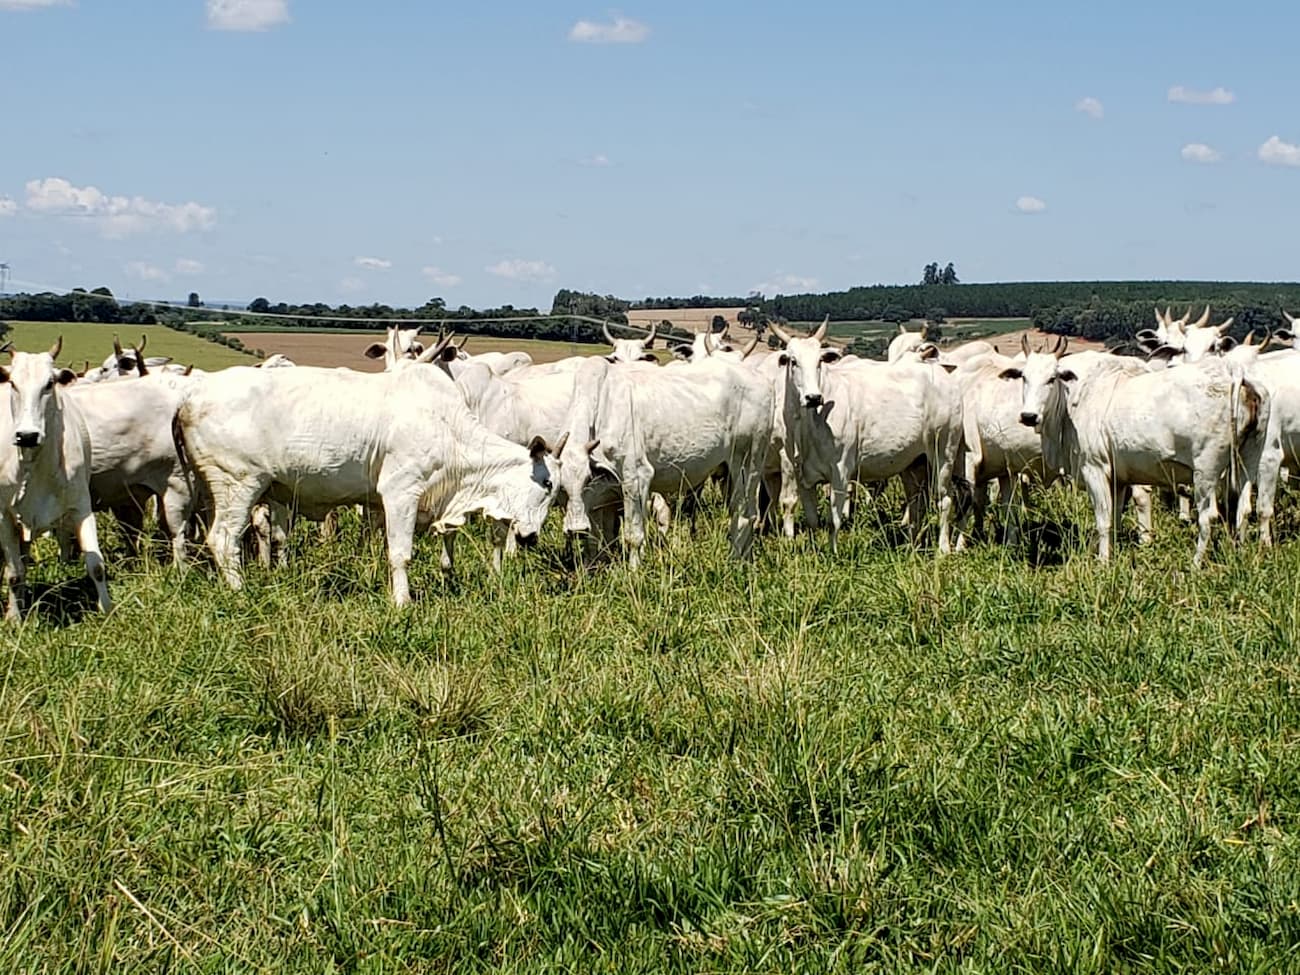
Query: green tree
[948,275]
[193,301]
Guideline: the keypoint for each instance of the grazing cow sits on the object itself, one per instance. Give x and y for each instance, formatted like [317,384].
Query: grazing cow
[866,422]
[132,455]
[315,439]
[277,361]
[905,343]
[44,468]
[129,362]
[1111,423]
[707,345]
[632,432]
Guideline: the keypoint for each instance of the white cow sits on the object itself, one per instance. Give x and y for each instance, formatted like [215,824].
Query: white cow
[1110,422]
[44,468]
[866,422]
[315,439]
[399,343]
[133,455]
[277,361]
[630,350]
[643,431]
[905,343]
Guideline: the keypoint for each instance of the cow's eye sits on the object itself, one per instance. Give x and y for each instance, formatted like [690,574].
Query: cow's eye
[50,384]
[546,484]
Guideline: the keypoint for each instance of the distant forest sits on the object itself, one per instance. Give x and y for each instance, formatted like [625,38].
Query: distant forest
[1108,311]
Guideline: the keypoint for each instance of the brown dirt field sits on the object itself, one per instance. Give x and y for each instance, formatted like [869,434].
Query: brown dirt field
[331,349]
[691,319]
[1009,343]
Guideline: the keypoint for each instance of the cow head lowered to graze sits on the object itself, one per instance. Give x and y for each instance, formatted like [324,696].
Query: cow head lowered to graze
[630,350]
[803,359]
[33,380]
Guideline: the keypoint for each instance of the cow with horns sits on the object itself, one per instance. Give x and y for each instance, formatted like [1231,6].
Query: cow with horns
[45,459]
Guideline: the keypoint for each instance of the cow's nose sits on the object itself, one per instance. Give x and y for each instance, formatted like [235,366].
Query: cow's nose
[27,438]
[527,541]
[1029,419]
[812,400]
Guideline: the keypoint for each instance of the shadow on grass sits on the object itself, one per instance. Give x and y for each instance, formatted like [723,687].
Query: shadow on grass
[61,603]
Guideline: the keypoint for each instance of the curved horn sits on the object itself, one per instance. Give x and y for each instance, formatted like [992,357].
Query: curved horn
[709,345]
[461,347]
[9,347]
[139,361]
[820,334]
[902,329]
[1160,319]
[753,344]
[144,340]
[429,355]
[650,339]
[1289,319]
[1203,320]
[1226,325]
[1268,340]
[1249,340]
[781,333]
[188,369]
[56,348]
[1169,315]
[604,327]
[117,347]
[1024,344]
[1062,343]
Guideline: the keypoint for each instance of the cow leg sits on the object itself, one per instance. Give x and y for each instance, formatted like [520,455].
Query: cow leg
[1141,496]
[503,543]
[130,520]
[88,539]
[232,504]
[174,510]
[636,498]
[1207,510]
[15,571]
[399,524]
[447,557]
[1096,481]
[742,507]
[329,527]
[663,512]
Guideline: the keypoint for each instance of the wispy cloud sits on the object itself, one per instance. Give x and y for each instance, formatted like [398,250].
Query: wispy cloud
[786,284]
[1090,106]
[1030,204]
[33,4]
[116,216]
[599,159]
[1275,152]
[145,272]
[1199,152]
[519,270]
[372,263]
[247,15]
[441,278]
[1192,96]
[622,30]
[185,265]
[8,207]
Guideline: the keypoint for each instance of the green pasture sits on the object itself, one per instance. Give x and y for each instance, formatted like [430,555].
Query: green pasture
[93,342]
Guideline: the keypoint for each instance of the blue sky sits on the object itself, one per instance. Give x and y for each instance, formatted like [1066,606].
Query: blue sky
[493,152]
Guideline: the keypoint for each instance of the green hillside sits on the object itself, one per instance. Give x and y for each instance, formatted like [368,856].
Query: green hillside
[89,341]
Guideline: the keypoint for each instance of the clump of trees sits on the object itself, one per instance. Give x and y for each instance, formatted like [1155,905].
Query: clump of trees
[934,275]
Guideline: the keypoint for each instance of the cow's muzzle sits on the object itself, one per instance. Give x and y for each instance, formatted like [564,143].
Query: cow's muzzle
[812,400]
[27,439]
[527,541]
[1029,419]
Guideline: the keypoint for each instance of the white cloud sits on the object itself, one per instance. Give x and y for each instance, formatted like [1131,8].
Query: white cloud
[372,263]
[33,4]
[623,30]
[145,272]
[1090,106]
[1199,152]
[185,265]
[599,159]
[1190,96]
[247,15]
[1279,153]
[517,270]
[786,284]
[1030,204]
[441,278]
[117,216]
[7,207]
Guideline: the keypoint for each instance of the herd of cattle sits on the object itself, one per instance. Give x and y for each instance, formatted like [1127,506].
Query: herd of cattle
[613,439]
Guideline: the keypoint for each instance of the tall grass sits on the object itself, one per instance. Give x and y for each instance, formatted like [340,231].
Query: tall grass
[871,762]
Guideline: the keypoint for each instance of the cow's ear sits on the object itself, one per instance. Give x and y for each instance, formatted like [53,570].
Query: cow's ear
[830,355]
[1226,344]
[949,366]
[375,350]
[683,351]
[4,375]
[1012,373]
[610,358]
[784,359]
[649,357]
[537,448]
[449,353]
[1066,375]
[65,376]
[591,446]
